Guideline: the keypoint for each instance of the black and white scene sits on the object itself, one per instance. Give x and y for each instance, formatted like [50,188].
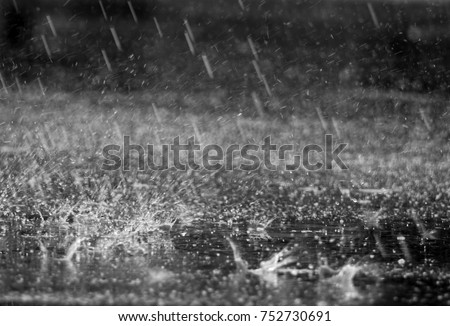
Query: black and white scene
[226,152]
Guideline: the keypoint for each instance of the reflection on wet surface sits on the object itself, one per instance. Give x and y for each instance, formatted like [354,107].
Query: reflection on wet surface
[372,257]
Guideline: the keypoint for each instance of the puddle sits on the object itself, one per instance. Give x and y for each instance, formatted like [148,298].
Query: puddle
[214,260]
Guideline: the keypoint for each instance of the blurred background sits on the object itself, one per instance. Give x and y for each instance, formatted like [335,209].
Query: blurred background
[387,44]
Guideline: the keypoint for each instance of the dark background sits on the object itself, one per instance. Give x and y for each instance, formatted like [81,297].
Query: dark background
[330,42]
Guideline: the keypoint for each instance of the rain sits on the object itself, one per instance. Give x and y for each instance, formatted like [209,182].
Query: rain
[235,152]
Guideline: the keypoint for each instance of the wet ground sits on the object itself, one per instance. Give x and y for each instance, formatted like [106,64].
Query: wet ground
[375,234]
[392,263]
